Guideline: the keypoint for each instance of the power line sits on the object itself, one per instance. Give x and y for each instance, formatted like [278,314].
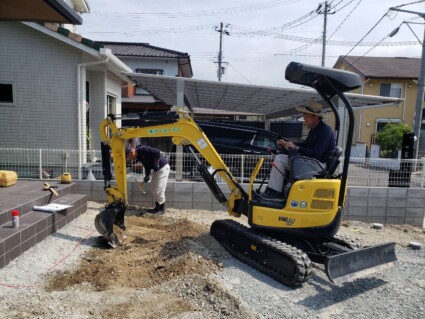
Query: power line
[188,14]
[246,79]
[360,41]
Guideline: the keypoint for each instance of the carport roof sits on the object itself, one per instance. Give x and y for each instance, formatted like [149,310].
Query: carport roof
[273,102]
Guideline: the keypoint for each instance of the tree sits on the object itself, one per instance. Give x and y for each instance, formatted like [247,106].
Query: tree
[390,138]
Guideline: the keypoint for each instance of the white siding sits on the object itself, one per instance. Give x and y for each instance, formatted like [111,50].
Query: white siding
[169,66]
[97,104]
[44,73]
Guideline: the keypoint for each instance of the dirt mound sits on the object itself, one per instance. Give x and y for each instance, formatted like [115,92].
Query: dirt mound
[164,261]
[156,250]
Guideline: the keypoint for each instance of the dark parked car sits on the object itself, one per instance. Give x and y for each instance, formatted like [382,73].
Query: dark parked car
[229,138]
[239,139]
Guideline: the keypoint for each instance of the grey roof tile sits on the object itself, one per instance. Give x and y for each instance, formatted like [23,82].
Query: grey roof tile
[141,50]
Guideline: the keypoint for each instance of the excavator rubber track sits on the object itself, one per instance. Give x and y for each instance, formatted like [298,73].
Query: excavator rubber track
[280,261]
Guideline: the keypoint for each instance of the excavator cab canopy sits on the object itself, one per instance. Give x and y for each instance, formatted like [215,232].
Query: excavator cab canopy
[320,78]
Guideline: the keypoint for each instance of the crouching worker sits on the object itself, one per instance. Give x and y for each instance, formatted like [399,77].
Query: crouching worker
[320,143]
[156,166]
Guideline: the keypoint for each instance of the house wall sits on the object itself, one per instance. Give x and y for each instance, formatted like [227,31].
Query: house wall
[169,66]
[43,72]
[366,120]
[97,105]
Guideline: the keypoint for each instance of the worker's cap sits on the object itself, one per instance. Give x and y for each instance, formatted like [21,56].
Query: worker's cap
[311,107]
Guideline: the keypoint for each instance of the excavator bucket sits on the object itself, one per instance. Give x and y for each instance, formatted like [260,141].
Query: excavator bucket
[110,224]
[351,265]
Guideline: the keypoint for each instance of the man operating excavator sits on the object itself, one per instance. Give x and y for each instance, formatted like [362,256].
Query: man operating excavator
[319,144]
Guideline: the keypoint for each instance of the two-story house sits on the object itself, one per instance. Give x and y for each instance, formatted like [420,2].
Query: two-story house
[384,76]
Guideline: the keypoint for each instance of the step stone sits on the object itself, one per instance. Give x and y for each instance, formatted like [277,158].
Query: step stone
[35,226]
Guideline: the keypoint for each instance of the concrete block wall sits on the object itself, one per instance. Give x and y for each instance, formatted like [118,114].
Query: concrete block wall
[371,205]
[386,205]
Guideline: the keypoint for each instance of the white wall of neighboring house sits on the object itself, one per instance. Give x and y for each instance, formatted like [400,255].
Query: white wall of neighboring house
[169,66]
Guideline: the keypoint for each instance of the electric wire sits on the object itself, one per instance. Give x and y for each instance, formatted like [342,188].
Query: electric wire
[187,14]
[367,33]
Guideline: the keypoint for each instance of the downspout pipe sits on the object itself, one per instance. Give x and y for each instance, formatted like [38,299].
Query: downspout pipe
[79,113]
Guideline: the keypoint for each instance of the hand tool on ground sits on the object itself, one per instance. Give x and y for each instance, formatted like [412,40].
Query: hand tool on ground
[48,187]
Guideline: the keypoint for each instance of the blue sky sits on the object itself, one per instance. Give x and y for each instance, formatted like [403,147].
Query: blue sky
[256,51]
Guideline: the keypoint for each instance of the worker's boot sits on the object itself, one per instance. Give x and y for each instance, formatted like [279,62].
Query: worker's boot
[272,194]
[153,210]
[160,210]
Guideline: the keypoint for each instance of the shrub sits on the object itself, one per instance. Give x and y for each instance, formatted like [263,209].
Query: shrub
[390,138]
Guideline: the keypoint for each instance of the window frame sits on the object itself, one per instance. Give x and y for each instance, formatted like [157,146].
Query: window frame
[392,87]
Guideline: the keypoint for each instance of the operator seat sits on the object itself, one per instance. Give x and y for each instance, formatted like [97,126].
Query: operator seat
[333,161]
[303,167]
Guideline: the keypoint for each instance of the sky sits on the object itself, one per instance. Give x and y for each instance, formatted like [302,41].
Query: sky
[263,35]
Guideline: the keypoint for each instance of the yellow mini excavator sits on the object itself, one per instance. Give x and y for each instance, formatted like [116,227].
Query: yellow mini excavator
[285,235]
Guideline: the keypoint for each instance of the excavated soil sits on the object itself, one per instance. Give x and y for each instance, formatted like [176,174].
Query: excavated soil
[165,260]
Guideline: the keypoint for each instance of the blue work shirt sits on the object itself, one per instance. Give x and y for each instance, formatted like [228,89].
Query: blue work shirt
[151,158]
[320,143]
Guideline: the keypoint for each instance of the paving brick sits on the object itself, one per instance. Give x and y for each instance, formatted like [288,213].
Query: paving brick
[415,192]
[356,201]
[378,192]
[358,191]
[359,218]
[377,202]
[415,202]
[397,192]
[417,212]
[376,219]
[182,197]
[202,197]
[376,211]
[418,222]
[358,211]
[202,205]
[396,211]
[396,202]
[395,220]
[183,205]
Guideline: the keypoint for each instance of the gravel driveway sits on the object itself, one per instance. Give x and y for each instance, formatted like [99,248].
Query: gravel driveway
[220,287]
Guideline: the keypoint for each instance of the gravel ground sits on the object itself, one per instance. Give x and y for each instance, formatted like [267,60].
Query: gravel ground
[221,287]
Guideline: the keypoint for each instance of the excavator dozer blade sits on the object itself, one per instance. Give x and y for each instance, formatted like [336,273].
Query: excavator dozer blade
[349,266]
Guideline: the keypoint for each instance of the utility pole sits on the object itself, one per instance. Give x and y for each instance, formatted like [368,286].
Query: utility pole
[420,91]
[325,11]
[220,52]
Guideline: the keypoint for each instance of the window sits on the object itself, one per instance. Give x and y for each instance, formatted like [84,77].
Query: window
[150,71]
[112,104]
[390,89]
[6,93]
